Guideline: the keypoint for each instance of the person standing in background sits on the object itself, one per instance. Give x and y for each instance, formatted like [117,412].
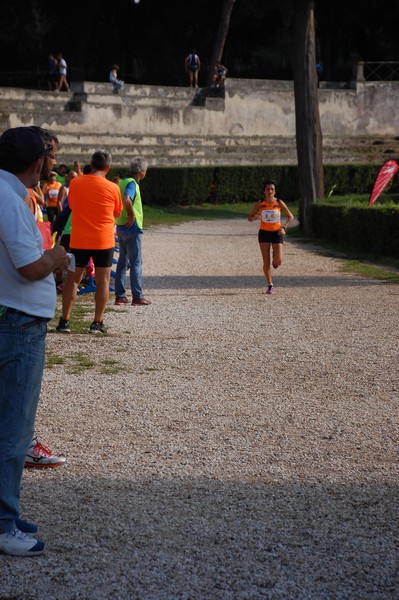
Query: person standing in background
[95,203]
[193,65]
[62,69]
[130,232]
[50,192]
[52,72]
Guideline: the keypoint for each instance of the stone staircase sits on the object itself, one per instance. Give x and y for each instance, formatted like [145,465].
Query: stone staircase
[253,123]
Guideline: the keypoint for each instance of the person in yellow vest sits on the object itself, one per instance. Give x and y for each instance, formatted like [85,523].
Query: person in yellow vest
[271,231]
[130,233]
[50,191]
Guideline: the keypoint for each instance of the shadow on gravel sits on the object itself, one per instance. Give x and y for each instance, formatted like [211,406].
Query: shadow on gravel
[204,539]
[176,282]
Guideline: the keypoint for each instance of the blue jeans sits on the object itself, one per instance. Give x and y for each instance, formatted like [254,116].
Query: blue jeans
[129,255]
[22,355]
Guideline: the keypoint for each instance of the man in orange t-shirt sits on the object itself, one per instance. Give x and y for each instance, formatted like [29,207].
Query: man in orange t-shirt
[95,203]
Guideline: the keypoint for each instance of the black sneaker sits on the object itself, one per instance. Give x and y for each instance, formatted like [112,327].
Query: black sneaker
[97,327]
[63,326]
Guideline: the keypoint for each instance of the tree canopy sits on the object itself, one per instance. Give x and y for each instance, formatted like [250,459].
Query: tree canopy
[149,39]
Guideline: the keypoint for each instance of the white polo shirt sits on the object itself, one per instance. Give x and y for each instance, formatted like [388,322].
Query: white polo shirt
[21,243]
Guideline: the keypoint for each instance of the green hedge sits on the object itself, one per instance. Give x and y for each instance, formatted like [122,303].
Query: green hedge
[220,185]
[245,184]
[373,229]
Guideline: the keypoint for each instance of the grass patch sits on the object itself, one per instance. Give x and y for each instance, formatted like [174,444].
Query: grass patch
[173,215]
[82,314]
[80,363]
[360,263]
[110,366]
[53,359]
[374,271]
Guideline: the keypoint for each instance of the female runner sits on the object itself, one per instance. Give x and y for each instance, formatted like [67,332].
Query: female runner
[271,232]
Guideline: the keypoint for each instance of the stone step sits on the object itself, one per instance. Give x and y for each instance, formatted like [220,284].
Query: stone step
[253,124]
[202,151]
[173,156]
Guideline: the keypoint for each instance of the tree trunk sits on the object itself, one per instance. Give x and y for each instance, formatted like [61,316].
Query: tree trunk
[307,117]
[220,40]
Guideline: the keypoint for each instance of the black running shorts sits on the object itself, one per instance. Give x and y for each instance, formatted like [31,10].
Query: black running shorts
[270,237]
[101,258]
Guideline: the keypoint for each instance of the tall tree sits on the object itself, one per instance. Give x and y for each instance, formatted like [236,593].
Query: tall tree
[221,36]
[307,116]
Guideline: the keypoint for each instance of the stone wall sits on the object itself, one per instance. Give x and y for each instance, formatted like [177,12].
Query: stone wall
[254,124]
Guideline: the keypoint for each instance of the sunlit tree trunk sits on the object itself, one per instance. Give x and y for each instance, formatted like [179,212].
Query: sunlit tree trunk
[221,36]
[308,129]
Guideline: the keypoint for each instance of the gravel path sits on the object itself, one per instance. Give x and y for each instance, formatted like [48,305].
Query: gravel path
[244,448]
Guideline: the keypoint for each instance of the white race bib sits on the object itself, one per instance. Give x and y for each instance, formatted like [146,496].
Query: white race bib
[270,216]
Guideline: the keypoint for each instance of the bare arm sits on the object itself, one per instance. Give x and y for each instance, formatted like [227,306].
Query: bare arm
[288,214]
[51,260]
[254,214]
[128,205]
[38,194]
[61,196]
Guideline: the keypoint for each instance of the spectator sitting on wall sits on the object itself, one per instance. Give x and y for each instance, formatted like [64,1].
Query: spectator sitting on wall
[113,77]
[219,76]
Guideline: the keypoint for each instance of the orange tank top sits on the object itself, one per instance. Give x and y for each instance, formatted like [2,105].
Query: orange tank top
[270,216]
[51,191]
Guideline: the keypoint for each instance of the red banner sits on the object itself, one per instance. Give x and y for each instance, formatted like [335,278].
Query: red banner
[45,230]
[383,178]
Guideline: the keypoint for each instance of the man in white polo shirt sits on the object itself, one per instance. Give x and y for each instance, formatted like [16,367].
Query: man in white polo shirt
[27,302]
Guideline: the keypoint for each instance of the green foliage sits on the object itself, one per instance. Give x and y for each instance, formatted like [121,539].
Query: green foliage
[221,185]
[174,186]
[235,184]
[355,179]
[367,228]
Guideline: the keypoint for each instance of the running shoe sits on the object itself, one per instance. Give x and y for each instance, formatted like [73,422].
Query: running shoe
[17,543]
[39,456]
[26,526]
[63,326]
[97,327]
[269,289]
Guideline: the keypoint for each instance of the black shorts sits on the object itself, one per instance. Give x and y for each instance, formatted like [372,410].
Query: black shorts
[270,237]
[101,258]
[64,242]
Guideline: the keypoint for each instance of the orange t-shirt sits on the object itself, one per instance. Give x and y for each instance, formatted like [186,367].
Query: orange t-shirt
[94,202]
[50,190]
